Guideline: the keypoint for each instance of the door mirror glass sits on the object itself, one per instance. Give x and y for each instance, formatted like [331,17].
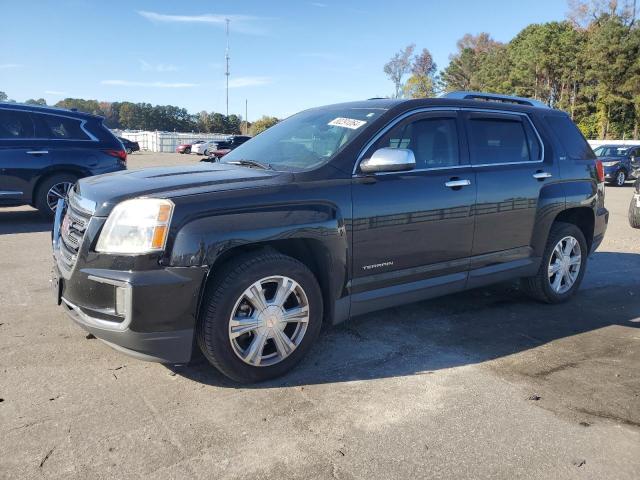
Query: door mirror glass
[389,160]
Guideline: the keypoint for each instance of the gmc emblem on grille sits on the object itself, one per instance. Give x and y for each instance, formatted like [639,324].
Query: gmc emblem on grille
[64,228]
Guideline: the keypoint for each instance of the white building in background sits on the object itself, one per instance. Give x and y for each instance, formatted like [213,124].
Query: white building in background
[165,141]
[597,143]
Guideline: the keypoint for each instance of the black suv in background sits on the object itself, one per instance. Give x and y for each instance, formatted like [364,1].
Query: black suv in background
[334,212]
[44,151]
[129,145]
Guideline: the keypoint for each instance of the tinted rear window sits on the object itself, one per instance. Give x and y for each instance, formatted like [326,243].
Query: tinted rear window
[52,126]
[495,140]
[15,124]
[574,144]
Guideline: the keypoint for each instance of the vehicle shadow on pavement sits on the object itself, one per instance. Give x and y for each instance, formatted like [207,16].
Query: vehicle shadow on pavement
[22,221]
[461,329]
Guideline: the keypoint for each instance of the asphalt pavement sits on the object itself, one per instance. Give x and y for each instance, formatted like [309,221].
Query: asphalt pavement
[481,384]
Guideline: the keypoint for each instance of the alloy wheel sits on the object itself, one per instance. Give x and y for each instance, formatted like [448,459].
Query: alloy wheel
[56,192]
[564,265]
[621,178]
[269,321]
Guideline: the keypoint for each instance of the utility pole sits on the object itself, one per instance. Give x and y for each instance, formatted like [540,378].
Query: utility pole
[246,116]
[226,56]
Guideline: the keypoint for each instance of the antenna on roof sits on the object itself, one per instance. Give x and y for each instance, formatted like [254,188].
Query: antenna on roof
[226,57]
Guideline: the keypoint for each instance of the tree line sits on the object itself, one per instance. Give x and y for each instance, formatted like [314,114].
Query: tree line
[144,116]
[587,65]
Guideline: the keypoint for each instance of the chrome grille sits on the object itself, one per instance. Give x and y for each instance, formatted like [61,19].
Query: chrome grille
[72,230]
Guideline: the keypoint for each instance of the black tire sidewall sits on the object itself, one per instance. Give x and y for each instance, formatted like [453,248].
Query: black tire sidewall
[213,335]
[617,184]
[558,232]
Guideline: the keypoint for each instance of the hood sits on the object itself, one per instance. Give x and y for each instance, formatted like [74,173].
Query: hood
[170,182]
[611,159]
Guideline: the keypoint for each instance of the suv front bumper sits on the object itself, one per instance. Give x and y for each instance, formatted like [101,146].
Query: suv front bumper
[156,321]
[149,313]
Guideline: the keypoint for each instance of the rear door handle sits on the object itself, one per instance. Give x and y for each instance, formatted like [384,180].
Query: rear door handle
[457,183]
[542,175]
[37,152]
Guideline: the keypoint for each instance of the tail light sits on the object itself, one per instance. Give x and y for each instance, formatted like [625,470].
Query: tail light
[121,154]
[600,170]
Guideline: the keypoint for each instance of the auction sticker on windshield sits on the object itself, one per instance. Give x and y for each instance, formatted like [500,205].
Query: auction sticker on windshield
[351,123]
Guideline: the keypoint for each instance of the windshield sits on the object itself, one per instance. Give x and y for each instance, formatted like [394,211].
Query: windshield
[611,151]
[306,140]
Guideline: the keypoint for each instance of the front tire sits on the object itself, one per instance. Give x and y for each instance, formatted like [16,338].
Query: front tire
[260,316]
[562,267]
[50,190]
[621,178]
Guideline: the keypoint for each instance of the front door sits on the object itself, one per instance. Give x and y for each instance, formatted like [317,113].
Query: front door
[21,156]
[417,225]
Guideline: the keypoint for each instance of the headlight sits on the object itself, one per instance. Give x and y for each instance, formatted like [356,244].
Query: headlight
[610,164]
[136,226]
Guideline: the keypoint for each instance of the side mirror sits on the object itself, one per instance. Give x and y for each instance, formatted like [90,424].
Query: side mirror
[389,160]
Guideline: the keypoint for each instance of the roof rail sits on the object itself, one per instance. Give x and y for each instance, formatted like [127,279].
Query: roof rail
[494,97]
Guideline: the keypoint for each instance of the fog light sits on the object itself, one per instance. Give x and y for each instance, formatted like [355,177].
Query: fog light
[121,301]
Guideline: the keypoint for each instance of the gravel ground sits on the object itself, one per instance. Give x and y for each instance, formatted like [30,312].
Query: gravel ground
[482,384]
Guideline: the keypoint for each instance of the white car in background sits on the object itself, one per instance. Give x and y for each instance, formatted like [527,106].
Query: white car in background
[204,148]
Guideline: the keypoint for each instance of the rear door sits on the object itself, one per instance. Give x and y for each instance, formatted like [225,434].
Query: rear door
[70,145]
[507,156]
[22,156]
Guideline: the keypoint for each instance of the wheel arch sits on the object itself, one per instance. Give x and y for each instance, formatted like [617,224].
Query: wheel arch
[583,218]
[321,246]
[78,173]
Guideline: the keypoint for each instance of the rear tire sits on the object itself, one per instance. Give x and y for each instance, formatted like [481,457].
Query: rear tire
[634,212]
[277,334]
[558,287]
[52,188]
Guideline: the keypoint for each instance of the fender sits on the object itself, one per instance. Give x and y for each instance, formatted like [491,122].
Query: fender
[204,241]
[551,202]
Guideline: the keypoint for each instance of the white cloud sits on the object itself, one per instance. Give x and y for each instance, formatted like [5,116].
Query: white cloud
[6,66]
[55,92]
[239,23]
[318,4]
[157,67]
[128,83]
[240,82]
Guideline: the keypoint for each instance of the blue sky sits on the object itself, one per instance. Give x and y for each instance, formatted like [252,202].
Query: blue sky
[285,55]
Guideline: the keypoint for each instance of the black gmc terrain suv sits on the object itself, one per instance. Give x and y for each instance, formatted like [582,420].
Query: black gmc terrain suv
[43,151]
[334,212]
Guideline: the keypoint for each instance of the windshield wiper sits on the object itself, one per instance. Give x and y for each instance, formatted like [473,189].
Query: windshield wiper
[251,163]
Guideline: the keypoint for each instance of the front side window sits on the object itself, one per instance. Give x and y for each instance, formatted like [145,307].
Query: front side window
[61,128]
[434,141]
[498,140]
[306,140]
[15,125]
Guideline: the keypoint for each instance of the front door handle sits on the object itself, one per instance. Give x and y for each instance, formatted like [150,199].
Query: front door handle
[457,183]
[37,152]
[542,175]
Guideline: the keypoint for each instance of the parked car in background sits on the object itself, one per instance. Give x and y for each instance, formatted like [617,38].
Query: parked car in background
[620,162]
[334,212]
[205,147]
[226,146]
[634,207]
[186,147]
[44,151]
[129,145]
